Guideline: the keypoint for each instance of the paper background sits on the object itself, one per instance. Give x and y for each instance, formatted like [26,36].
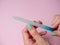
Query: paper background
[11,30]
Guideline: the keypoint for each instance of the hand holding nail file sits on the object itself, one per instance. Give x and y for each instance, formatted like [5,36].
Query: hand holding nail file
[34,23]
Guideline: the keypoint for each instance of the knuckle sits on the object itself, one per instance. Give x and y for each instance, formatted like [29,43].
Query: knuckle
[34,33]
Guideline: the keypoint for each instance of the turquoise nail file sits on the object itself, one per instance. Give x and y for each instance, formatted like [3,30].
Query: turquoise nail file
[34,23]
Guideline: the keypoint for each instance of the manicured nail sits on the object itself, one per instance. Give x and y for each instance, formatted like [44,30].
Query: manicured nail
[29,26]
[54,34]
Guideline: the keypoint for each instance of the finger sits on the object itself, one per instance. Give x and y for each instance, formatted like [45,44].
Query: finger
[25,34]
[56,21]
[28,39]
[43,33]
[56,33]
[40,22]
[33,31]
[36,35]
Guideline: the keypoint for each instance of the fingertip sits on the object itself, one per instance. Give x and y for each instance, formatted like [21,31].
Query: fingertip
[40,22]
[56,33]
[25,29]
[25,34]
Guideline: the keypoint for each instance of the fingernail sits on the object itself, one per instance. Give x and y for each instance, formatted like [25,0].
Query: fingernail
[54,34]
[29,26]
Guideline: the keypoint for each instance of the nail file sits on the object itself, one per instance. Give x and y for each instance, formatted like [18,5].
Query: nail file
[34,23]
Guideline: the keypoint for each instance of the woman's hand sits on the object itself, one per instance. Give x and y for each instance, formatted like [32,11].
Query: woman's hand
[56,23]
[32,37]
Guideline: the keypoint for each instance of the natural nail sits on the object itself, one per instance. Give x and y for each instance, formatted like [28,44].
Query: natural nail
[29,26]
[54,34]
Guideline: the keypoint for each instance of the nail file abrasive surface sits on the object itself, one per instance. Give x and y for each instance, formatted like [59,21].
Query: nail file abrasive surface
[33,23]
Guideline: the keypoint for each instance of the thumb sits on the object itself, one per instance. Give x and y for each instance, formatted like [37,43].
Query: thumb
[56,21]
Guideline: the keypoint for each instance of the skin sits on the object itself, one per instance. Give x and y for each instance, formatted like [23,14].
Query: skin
[32,37]
[55,24]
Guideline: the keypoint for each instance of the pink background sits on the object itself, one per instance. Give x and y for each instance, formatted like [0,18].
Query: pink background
[10,29]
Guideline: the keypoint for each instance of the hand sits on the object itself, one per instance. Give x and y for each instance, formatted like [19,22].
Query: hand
[56,23]
[32,37]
